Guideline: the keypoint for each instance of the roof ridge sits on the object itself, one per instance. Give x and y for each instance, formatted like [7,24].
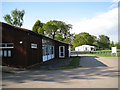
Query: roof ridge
[24,29]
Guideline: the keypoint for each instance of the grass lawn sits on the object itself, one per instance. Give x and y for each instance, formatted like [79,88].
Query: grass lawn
[74,63]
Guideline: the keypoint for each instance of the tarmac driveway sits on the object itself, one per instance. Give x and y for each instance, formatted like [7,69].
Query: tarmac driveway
[94,72]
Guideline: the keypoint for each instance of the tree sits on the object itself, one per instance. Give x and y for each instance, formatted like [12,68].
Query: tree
[111,44]
[40,30]
[54,27]
[69,38]
[65,30]
[95,38]
[82,38]
[38,27]
[59,37]
[104,41]
[16,17]
[51,29]
[117,45]
[97,44]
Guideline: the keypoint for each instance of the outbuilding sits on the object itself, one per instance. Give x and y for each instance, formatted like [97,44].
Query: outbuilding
[85,48]
[23,48]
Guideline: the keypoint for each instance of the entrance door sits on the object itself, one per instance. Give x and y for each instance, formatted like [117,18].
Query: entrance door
[61,51]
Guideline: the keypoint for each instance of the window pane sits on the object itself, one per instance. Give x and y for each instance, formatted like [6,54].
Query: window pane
[47,51]
[1,53]
[61,49]
[10,45]
[52,50]
[61,54]
[7,45]
[33,45]
[5,53]
[9,53]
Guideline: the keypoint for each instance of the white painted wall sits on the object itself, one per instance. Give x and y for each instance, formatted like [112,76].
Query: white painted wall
[85,48]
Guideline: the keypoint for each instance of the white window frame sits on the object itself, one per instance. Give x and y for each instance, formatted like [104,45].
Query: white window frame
[6,45]
[61,52]
[47,49]
[33,45]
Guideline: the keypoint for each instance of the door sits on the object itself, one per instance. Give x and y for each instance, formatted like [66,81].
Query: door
[61,51]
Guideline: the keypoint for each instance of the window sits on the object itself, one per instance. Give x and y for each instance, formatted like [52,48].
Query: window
[47,49]
[5,53]
[52,50]
[5,49]
[1,53]
[33,45]
[43,50]
[9,53]
[61,54]
[61,51]
[6,45]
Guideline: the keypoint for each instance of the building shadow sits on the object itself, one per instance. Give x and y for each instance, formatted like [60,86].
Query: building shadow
[90,69]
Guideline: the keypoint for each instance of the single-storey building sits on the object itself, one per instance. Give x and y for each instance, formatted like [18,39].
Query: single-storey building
[85,48]
[23,48]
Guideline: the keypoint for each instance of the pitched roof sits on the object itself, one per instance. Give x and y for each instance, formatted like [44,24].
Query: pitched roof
[26,30]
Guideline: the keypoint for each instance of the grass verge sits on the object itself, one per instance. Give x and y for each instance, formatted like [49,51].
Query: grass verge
[73,64]
[103,53]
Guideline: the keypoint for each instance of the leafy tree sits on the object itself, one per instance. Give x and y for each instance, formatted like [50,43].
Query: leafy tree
[38,27]
[59,37]
[54,27]
[104,41]
[111,44]
[96,44]
[16,17]
[69,38]
[82,38]
[117,45]
[95,38]
[65,30]
[51,29]
[40,30]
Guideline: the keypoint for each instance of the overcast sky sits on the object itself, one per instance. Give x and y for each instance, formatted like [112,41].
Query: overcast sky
[93,17]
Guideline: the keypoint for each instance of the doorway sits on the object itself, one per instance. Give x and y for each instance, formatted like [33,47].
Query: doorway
[61,51]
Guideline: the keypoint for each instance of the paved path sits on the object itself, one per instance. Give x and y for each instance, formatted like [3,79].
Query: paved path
[95,72]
